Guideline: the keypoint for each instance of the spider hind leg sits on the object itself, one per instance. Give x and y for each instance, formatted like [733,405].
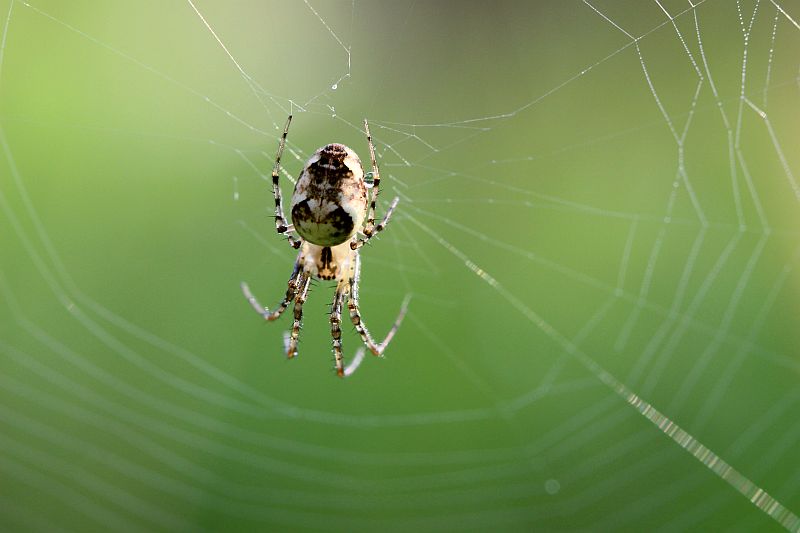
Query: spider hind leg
[300,299]
[358,321]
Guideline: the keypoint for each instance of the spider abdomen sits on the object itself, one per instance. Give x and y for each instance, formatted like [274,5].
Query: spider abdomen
[330,197]
[326,225]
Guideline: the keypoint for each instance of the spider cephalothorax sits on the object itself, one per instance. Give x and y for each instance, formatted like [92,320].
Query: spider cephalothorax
[329,206]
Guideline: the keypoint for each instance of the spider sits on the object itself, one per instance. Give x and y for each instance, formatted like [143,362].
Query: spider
[329,206]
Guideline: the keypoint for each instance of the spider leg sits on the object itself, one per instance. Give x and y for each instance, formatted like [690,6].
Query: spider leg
[356,244]
[355,363]
[281,225]
[376,182]
[302,292]
[336,333]
[358,322]
[336,330]
[265,313]
[370,229]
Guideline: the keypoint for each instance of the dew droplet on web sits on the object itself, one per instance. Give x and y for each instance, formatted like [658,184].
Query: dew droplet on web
[552,486]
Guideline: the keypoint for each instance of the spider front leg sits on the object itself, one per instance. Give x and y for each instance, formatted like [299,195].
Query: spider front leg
[358,243]
[281,225]
[358,322]
[265,313]
[302,292]
[370,229]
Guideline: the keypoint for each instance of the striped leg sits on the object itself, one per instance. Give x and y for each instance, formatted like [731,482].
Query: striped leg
[265,313]
[370,229]
[302,292]
[376,183]
[356,244]
[336,330]
[358,322]
[281,225]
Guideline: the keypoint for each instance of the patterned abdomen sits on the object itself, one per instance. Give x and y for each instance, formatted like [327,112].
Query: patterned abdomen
[330,198]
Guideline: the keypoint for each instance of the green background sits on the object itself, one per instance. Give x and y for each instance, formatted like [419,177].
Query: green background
[551,228]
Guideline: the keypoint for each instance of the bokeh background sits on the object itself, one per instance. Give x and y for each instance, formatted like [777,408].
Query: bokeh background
[596,198]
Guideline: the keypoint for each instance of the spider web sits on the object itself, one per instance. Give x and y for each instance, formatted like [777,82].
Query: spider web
[598,225]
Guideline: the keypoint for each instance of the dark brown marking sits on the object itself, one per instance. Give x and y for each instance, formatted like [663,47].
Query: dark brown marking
[342,221]
[339,220]
[329,171]
[326,268]
[326,257]
[326,176]
[302,213]
[334,151]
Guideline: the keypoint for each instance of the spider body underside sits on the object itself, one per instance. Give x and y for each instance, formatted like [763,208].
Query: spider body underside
[332,217]
[330,199]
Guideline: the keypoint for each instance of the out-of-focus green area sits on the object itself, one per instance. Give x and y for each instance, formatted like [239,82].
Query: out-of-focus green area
[564,190]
